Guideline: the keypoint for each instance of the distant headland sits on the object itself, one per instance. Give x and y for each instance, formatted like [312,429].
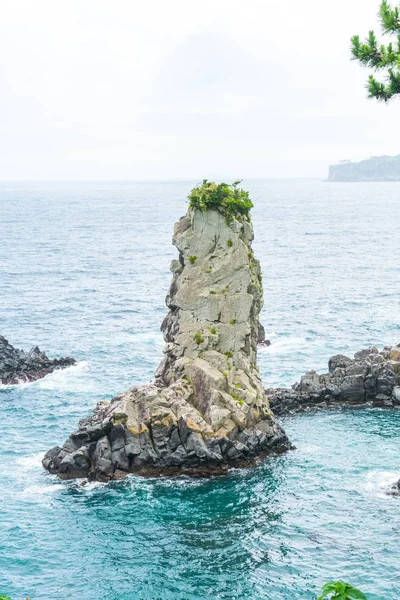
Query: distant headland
[376,168]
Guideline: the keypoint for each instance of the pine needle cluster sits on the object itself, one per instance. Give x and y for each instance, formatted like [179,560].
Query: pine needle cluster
[370,53]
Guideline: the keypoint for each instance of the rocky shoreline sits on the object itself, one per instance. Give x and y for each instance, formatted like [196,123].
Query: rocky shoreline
[106,447]
[372,378]
[17,366]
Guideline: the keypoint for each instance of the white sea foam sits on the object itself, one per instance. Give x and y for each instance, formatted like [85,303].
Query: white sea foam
[32,461]
[31,480]
[377,482]
[54,380]
[286,346]
[64,378]
[42,490]
[308,448]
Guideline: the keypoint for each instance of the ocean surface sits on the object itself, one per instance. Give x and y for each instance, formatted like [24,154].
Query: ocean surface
[84,269]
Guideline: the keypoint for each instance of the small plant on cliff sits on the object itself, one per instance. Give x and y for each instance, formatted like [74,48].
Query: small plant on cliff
[228,199]
[229,243]
[380,57]
[192,259]
[229,354]
[198,338]
[337,590]
[233,321]
[213,330]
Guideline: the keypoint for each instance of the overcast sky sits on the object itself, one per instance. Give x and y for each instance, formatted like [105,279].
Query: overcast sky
[184,89]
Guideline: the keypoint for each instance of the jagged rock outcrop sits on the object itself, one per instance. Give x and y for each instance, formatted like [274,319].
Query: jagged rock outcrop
[371,377]
[394,489]
[207,409]
[17,366]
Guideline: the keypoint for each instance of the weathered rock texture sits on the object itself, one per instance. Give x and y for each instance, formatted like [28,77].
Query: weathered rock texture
[207,408]
[371,377]
[17,366]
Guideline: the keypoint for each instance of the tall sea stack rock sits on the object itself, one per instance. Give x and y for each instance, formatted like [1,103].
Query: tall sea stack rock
[207,409]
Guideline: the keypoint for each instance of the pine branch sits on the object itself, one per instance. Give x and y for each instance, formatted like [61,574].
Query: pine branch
[367,53]
[390,18]
[377,90]
[370,54]
[394,82]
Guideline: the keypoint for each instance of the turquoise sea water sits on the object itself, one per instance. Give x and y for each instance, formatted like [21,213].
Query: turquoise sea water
[84,271]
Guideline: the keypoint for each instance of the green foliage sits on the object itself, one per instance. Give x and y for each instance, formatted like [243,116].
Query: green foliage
[198,338]
[192,259]
[229,354]
[337,590]
[237,399]
[233,321]
[3,597]
[213,330]
[229,243]
[378,56]
[213,292]
[228,199]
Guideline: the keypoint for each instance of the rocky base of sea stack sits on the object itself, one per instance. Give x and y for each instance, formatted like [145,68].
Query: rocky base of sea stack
[370,378]
[17,366]
[105,447]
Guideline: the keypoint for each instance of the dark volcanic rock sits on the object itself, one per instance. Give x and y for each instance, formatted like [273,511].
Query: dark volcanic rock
[394,489]
[17,366]
[370,378]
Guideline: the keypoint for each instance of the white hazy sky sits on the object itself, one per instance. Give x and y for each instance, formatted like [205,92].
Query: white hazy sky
[184,89]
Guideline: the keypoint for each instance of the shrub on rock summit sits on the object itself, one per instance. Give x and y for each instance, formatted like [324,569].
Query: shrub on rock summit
[228,199]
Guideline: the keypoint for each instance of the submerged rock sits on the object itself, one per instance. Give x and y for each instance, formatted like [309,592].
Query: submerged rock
[207,409]
[371,377]
[394,489]
[17,366]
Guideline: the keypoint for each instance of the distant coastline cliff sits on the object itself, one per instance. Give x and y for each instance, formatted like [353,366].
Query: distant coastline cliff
[377,168]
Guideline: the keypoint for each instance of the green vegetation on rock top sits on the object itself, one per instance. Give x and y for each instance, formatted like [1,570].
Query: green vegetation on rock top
[228,199]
